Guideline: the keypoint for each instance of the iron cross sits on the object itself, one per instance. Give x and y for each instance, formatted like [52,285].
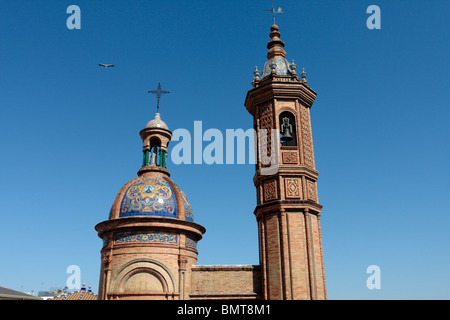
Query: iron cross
[158,93]
[273,11]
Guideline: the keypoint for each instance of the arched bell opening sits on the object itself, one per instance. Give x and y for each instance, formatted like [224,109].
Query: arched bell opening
[155,145]
[288,129]
[154,154]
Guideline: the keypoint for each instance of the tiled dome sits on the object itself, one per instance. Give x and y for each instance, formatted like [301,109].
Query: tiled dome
[282,67]
[149,195]
[188,215]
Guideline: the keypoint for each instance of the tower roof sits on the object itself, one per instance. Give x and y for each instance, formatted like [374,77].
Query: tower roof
[275,45]
[277,56]
[157,123]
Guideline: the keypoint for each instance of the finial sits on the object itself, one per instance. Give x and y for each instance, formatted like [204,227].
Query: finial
[158,93]
[256,73]
[256,78]
[292,68]
[275,45]
[293,65]
[303,75]
[273,66]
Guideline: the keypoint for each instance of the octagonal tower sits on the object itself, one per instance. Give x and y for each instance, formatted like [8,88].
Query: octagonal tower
[288,210]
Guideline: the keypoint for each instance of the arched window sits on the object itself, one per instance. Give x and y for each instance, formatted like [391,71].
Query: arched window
[155,144]
[288,129]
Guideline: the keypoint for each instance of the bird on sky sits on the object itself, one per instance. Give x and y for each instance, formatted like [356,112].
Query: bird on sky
[106,65]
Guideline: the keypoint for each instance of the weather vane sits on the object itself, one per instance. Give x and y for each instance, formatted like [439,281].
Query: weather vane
[273,11]
[158,93]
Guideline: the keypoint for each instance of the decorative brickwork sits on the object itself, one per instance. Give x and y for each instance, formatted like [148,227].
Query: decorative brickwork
[293,187]
[270,190]
[266,123]
[306,137]
[312,195]
[290,157]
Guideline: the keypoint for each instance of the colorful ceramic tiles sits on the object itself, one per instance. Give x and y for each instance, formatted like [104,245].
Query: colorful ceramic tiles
[188,215]
[282,67]
[191,243]
[149,197]
[146,238]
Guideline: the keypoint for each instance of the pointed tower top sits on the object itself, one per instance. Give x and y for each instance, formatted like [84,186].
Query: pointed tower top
[275,45]
[277,63]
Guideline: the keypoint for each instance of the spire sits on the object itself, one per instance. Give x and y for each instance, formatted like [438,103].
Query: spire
[276,64]
[275,45]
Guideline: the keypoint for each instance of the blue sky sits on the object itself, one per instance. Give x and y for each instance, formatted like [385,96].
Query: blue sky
[70,131]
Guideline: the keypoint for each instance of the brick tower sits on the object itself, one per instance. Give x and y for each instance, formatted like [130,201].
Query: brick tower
[150,238]
[287,211]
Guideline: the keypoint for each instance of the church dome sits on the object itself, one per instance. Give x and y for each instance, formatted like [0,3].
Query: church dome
[157,123]
[151,195]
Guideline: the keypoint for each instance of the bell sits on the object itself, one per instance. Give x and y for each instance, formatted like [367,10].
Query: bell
[286,134]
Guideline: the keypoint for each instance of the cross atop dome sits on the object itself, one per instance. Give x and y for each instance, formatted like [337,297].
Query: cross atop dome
[158,93]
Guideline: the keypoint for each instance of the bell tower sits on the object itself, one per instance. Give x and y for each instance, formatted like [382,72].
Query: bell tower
[288,210]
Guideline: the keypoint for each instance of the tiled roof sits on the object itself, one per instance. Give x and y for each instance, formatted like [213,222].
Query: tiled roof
[79,295]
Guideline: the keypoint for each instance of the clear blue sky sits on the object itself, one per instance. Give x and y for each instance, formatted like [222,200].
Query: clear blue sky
[70,130]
